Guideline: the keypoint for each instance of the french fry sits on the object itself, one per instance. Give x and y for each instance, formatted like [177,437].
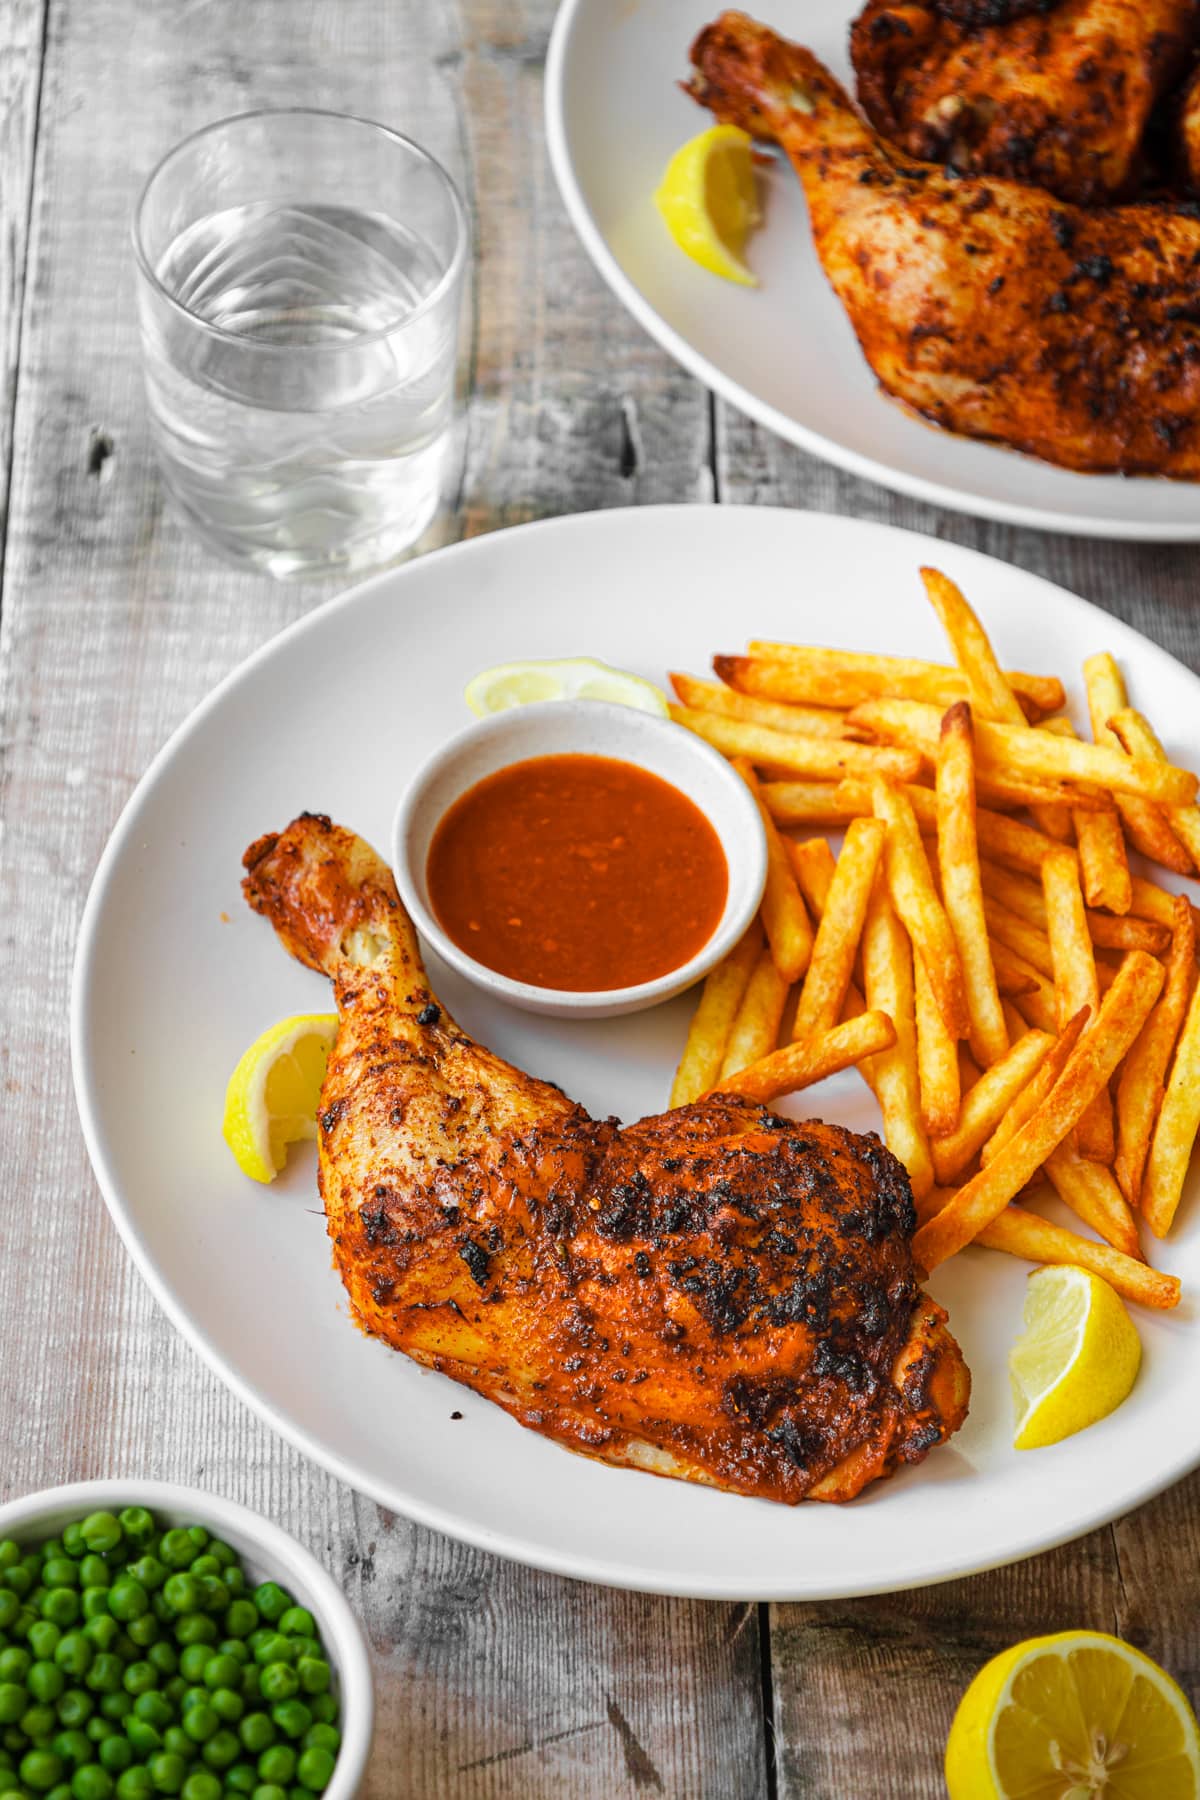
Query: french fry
[1146,826]
[1128,932]
[1026,940]
[888,978]
[1175,1133]
[755,1029]
[1090,1190]
[785,920]
[712,1021]
[1088,1070]
[1017,1026]
[712,696]
[937,1059]
[814,866]
[813,802]
[798,751]
[1076,982]
[962,894]
[1153,902]
[986,1103]
[1024,750]
[1103,863]
[1013,975]
[1026,1103]
[1019,1232]
[843,677]
[811,1059]
[1143,1073]
[1039,1006]
[842,915]
[1138,737]
[915,899]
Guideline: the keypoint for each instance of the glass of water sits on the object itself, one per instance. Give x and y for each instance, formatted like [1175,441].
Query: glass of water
[300,284]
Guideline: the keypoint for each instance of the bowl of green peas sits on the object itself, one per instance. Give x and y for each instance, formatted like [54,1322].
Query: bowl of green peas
[160,1641]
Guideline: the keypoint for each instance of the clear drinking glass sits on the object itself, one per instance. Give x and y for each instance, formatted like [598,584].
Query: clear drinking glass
[300,283]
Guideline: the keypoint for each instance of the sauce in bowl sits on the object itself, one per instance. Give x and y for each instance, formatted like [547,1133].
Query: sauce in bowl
[581,873]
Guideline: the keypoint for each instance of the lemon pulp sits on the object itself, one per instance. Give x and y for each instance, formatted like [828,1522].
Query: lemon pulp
[1071,1716]
[566,678]
[709,201]
[1077,1360]
[272,1097]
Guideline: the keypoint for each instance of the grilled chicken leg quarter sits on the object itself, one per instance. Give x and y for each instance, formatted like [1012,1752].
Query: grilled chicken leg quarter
[717,1294]
[988,306]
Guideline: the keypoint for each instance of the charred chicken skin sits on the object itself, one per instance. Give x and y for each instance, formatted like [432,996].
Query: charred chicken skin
[987,306]
[1060,96]
[717,1294]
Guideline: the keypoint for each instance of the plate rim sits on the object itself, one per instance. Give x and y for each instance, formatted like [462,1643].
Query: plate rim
[782,424]
[525,1551]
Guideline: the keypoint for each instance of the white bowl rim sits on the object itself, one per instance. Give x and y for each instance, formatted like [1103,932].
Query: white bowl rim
[752,846]
[347,1642]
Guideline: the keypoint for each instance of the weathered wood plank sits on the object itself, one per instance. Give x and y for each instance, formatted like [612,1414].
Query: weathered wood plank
[21,31]
[489,1677]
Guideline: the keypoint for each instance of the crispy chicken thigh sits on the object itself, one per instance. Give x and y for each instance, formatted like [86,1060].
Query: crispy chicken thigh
[717,1294]
[986,305]
[1059,96]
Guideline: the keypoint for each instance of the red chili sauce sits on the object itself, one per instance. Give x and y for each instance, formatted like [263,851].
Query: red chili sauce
[577,872]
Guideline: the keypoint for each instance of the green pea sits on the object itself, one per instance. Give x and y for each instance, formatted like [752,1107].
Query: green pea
[236,1648]
[177,1550]
[92,1782]
[234,1580]
[159,1607]
[221,1750]
[41,1770]
[99,1730]
[94,1572]
[101,1532]
[14,1663]
[38,1722]
[102,1631]
[10,1607]
[149,1571]
[324,1708]
[196,1628]
[322,1737]
[135,1784]
[14,1698]
[270,1790]
[44,1639]
[145,1739]
[257,1733]
[127,1599]
[174,1690]
[72,1539]
[201,1722]
[162,1658]
[274,1648]
[144,1631]
[104,1676]
[278,1764]
[206,1564]
[292,1717]
[201,1785]
[271,1601]
[297,1621]
[315,1768]
[241,1618]
[75,1707]
[241,1779]
[167,1772]
[221,1671]
[74,1654]
[137,1525]
[115,1753]
[153,1709]
[94,1604]
[10,1553]
[279,1682]
[45,1681]
[182,1593]
[60,1571]
[61,1791]
[20,1580]
[139,1678]
[314,1674]
[115,1707]
[74,1747]
[228,1705]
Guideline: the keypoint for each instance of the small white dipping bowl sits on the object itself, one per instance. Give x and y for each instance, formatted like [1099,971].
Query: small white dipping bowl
[589,728]
[267,1553]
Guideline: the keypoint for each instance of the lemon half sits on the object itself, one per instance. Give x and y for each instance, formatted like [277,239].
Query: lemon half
[569,678]
[1077,1714]
[709,201]
[1077,1360]
[273,1094]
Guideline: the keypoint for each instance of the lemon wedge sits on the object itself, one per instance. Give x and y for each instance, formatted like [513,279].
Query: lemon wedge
[272,1097]
[709,201]
[570,678]
[1073,1715]
[1077,1360]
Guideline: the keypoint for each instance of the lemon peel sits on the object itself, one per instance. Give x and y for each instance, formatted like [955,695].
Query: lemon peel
[710,203]
[272,1097]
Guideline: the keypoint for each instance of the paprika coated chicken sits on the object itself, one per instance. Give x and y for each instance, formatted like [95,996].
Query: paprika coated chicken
[987,306]
[717,1294]
[1059,96]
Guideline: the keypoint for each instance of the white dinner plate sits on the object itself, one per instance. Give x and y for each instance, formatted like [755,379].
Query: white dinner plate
[175,976]
[785,352]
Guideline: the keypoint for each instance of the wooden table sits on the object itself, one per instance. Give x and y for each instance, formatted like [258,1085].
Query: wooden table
[491,1680]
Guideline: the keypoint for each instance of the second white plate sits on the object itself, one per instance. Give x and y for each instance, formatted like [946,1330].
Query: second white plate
[175,976]
[785,352]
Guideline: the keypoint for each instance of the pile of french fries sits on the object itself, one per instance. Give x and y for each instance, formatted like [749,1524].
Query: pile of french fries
[1022,1003]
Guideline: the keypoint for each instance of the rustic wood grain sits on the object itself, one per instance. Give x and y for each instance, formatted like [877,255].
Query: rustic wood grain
[21,30]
